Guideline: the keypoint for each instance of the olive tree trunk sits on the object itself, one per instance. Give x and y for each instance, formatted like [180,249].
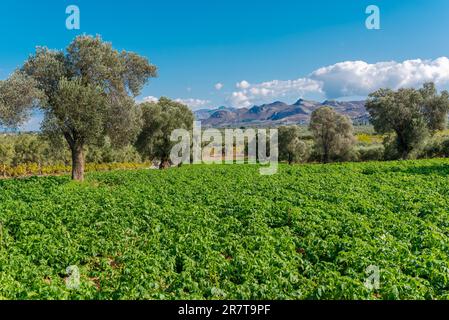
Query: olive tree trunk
[78,163]
[165,164]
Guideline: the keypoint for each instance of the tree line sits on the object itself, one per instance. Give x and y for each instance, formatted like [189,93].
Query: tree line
[407,118]
[87,95]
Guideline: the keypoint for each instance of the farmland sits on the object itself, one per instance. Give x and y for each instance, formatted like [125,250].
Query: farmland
[226,232]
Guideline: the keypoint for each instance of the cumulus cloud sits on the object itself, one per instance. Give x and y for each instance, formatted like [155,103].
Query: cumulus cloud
[251,94]
[150,99]
[190,102]
[242,84]
[359,78]
[346,79]
[343,79]
[193,103]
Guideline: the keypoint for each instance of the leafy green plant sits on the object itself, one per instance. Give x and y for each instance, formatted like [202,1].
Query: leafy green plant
[226,232]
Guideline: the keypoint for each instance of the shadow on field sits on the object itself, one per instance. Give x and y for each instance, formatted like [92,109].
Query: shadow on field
[435,169]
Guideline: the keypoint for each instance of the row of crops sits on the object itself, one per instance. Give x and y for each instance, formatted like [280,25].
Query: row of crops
[226,232]
[36,169]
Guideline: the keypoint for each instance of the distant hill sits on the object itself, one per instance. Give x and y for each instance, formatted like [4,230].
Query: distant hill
[278,113]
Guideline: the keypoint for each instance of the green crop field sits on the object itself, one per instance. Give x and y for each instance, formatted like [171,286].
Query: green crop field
[211,232]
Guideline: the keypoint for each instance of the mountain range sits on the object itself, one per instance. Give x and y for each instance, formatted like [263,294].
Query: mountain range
[278,113]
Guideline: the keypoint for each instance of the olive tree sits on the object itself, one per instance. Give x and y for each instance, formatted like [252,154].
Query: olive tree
[410,115]
[160,120]
[18,95]
[291,148]
[332,132]
[88,93]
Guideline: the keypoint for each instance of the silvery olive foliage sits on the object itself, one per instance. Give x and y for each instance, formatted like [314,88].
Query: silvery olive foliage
[333,134]
[409,116]
[18,94]
[291,146]
[86,91]
[160,120]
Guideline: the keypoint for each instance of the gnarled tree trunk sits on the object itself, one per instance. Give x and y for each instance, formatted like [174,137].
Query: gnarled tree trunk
[165,164]
[326,156]
[402,145]
[78,163]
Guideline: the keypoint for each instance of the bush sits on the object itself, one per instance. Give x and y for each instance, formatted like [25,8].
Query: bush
[292,148]
[370,153]
[436,148]
[333,135]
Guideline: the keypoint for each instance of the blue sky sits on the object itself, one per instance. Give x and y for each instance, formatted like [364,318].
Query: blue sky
[197,44]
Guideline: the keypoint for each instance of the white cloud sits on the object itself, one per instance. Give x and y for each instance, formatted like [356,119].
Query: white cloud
[345,79]
[150,99]
[358,78]
[276,89]
[193,103]
[190,102]
[243,84]
[239,99]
